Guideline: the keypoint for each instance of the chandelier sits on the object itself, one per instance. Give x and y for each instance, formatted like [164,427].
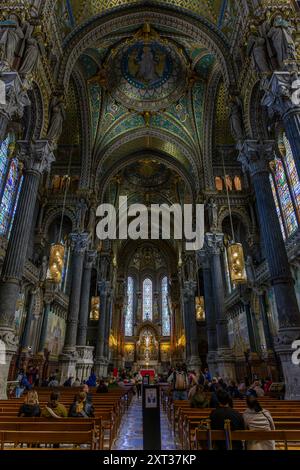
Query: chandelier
[200,309]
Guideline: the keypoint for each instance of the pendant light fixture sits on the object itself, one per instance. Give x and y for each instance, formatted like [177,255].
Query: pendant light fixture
[235,252]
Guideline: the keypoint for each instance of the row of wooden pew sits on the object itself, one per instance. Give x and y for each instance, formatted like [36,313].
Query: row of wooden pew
[188,422]
[91,433]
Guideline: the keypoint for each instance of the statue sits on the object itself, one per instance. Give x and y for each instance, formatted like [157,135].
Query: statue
[44,269]
[57,116]
[250,270]
[81,211]
[212,215]
[257,50]
[282,43]
[236,118]
[10,38]
[33,50]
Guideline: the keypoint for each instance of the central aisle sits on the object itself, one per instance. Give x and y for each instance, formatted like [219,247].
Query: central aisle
[130,436]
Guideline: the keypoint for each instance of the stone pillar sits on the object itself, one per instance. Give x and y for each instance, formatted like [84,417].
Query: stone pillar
[85,298]
[43,333]
[29,317]
[79,243]
[37,157]
[16,100]
[100,360]
[225,359]
[255,156]
[210,314]
[193,359]
[108,318]
[282,97]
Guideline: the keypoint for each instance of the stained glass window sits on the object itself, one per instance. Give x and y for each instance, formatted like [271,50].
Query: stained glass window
[147,299]
[15,207]
[285,197]
[277,207]
[4,161]
[8,198]
[165,307]
[129,311]
[292,173]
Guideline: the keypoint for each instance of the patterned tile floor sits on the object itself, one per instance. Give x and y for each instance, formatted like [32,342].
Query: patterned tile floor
[130,436]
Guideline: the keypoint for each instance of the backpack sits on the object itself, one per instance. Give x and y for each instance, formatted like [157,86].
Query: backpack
[180,381]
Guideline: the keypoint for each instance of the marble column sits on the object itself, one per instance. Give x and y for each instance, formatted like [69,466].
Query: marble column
[16,99]
[108,317]
[225,361]
[79,243]
[255,157]
[100,360]
[43,333]
[282,97]
[37,157]
[204,261]
[193,359]
[29,317]
[85,298]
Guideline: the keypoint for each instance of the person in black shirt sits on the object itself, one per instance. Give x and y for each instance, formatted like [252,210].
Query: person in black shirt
[30,407]
[223,412]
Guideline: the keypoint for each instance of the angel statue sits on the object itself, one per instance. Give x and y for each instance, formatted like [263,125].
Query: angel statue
[282,43]
[34,48]
[10,36]
[57,117]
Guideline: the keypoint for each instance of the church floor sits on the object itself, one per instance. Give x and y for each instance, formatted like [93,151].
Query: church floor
[130,435]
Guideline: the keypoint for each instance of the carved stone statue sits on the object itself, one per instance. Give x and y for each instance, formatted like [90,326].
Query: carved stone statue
[257,50]
[282,43]
[57,117]
[33,50]
[212,215]
[44,269]
[81,211]
[236,119]
[250,270]
[10,36]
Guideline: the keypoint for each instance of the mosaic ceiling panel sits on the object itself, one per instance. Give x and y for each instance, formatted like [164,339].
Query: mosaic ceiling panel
[73,12]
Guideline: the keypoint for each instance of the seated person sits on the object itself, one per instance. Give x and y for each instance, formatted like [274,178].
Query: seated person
[255,389]
[222,413]
[30,407]
[102,387]
[81,407]
[233,390]
[54,409]
[197,397]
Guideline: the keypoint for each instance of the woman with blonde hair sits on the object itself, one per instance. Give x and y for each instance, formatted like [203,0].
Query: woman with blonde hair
[30,407]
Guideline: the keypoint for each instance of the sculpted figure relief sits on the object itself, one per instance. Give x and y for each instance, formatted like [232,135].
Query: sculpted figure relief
[282,45]
[33,48]
[11,34]
[257,50]
[236,118]
[57,117]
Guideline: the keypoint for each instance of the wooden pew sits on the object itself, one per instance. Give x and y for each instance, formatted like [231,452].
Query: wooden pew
[47,438]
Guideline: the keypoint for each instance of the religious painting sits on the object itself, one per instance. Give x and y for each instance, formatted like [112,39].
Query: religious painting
[56,330]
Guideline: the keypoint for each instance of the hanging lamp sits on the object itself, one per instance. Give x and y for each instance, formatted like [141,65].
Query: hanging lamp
[235,252]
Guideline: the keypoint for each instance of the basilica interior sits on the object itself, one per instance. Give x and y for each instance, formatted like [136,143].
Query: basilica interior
[162,102]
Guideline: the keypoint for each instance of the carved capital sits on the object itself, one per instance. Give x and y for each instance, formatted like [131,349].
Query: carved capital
[104,288]
[282,93]
[79,242]
[37,156]
[255,156]
[214,243]
[16,97]
[203,258]
[90,257]
[189,290]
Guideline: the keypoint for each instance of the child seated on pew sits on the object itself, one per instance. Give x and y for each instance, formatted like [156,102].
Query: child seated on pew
[54,409]
[30,407]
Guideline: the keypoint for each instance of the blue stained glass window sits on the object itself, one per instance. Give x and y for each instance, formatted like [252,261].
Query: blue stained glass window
[292,173]
[4,161]
[16,205]
[147,299]
[165,307]
[8,198]
[277,207]
[284,195]
[129,311]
